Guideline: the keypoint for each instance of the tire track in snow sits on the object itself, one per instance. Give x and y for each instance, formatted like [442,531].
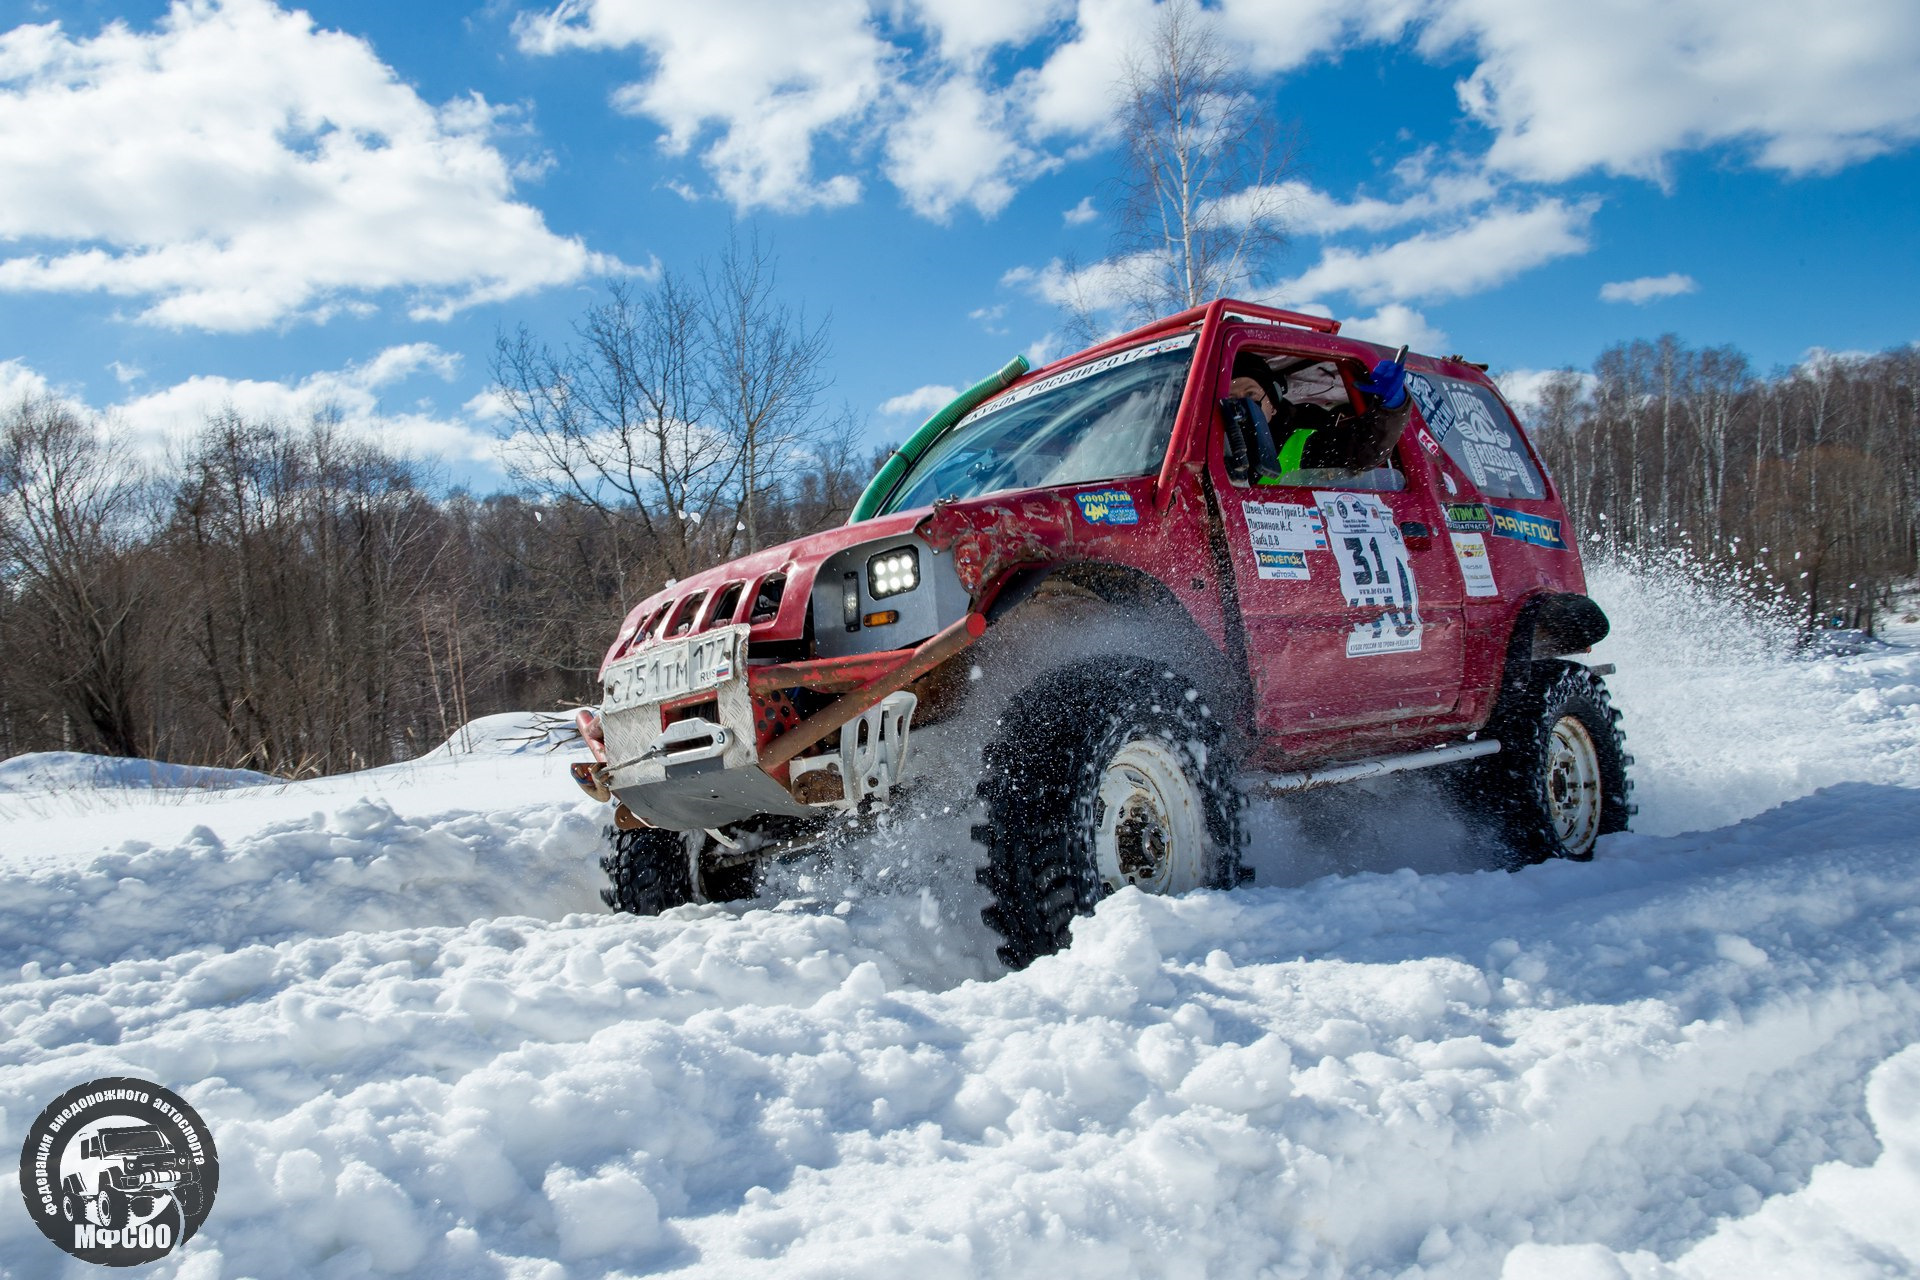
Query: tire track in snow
[1361,1076]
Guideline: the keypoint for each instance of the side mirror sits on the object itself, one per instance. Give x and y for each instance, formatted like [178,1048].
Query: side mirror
[1238,429]
[1248,431]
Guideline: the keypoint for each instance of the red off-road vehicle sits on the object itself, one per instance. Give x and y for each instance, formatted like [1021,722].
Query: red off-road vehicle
[1257,629]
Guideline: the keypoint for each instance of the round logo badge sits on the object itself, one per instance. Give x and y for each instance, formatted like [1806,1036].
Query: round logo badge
[119,1172]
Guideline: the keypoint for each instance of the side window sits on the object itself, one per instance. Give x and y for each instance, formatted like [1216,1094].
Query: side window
[1311,432]
[1474,429]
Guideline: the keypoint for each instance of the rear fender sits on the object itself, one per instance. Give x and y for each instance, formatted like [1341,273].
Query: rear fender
[1550,625]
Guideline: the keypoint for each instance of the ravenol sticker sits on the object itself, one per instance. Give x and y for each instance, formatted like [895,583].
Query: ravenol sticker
[1107,506]
[1521,527]
[1274,564]
[1468,517]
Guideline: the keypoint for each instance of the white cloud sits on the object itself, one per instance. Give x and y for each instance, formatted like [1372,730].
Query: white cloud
[1525,389]
[125,373]
[767,75]
[18,382]
[920,402]
[235,168]
[1081,214]
[1096,286]
[1621,84]
[956,147]
[1072,91]
[1488,251]
[1394,324]
[1648,288]
[966,29]
[151,425]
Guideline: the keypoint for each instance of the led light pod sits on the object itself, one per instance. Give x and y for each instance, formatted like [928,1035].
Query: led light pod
[893,572]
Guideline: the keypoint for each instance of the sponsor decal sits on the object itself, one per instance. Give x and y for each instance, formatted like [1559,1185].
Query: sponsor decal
[1353,512]
[1521,527]
[1272,564]
[1468,517]
[1282,533]
[1371,639]
[1375,572]
[119,1171]
[1436,407]
[1075,374]
[1107,506]
[1427,442]
[1470,549]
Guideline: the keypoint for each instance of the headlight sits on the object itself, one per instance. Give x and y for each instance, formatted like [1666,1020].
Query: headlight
[892,572]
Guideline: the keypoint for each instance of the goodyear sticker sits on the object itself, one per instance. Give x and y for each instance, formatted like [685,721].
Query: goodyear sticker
[1468,517]
[1521,527]
[1107,506]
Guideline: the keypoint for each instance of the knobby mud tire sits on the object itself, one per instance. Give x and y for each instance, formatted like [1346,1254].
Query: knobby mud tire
[1512,787]
[647,870]
[1040,788]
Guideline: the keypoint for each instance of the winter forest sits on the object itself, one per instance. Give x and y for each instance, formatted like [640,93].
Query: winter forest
[290,598]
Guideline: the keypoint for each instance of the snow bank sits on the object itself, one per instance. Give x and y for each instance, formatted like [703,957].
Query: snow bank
[1378,1075]
[70,770]
[362,867]
[424,1050]
[1847,1222]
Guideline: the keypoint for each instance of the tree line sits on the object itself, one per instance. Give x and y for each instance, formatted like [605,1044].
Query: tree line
[298,599]
[1805,480]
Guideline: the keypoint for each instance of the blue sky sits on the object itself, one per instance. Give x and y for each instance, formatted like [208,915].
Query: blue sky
[235,202]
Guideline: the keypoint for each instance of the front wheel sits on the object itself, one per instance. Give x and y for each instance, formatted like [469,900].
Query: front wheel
[1102,775]
[1559,782]
[648,871]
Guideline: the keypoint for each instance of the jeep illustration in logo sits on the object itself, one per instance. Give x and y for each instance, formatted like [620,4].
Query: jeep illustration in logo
[126,1172]
[119,1171]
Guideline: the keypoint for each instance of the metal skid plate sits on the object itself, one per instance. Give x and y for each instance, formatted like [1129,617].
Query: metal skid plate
[873,751]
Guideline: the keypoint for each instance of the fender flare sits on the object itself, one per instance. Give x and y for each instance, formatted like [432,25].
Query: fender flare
[1548,625]
[1130,588]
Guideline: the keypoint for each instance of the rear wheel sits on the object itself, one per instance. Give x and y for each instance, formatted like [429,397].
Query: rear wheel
[1104,775]
[1559,781]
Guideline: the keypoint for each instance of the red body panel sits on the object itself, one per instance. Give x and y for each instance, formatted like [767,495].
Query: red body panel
[1327,676]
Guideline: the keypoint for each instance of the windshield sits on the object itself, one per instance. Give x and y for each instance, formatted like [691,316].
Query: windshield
[1102,420]
[122,1141]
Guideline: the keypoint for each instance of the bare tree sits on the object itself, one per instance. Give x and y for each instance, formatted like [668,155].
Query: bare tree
[1205,159]
[613,422]
[765,375]
[70,538]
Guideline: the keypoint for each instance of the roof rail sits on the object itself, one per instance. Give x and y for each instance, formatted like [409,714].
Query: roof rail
[1237,310]
[1219,308]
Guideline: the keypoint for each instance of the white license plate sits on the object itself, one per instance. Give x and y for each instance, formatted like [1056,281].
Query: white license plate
[673,670]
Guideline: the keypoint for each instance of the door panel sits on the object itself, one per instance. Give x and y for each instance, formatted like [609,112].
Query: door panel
[1350,622]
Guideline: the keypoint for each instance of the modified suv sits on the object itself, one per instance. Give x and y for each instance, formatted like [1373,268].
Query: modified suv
[1165,609]
[127,1170]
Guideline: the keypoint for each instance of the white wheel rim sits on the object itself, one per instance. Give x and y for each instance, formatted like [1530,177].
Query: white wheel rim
[1573,785]
[1151,831]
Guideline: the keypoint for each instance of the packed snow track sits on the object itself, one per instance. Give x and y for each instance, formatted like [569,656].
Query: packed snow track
[424,1048]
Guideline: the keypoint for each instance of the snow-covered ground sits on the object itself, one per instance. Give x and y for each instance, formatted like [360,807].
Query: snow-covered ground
[424,1048]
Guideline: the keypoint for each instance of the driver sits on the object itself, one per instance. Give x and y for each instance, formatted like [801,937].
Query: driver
[1310,436]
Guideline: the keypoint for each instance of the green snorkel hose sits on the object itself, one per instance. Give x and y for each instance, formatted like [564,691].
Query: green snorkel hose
[881,487]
